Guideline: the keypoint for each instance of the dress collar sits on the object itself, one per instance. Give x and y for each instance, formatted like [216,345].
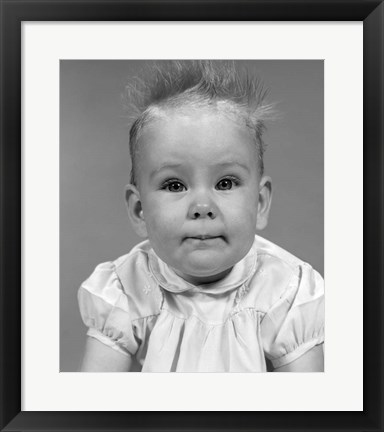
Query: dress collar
[169,280]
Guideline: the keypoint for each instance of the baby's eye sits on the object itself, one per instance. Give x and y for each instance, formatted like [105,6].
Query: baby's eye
[174,186]
[225,184]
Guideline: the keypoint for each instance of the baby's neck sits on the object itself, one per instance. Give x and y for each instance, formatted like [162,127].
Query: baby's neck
[202,280]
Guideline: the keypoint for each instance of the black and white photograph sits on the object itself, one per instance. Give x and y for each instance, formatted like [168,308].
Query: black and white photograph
[192,216]
[191,192]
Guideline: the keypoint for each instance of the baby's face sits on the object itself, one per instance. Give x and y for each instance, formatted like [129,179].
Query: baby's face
[200,192]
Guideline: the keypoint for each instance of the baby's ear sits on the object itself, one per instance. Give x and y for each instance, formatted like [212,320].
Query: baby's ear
[264,204]
[135,211]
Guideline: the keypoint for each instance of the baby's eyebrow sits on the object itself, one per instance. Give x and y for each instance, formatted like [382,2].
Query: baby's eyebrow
[164,166]
[230,164]
[221,165]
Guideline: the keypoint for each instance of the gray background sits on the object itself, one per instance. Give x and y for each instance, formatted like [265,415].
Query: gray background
[95,167]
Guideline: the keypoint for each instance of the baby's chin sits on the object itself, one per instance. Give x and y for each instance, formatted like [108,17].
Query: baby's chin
[204,265]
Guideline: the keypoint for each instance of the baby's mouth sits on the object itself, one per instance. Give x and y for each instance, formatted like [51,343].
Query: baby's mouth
[204,238]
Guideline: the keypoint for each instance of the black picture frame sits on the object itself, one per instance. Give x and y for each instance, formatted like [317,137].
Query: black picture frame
[13,13]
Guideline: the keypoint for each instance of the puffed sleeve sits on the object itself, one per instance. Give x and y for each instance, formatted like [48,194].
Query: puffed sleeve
[104,309]
[295,322]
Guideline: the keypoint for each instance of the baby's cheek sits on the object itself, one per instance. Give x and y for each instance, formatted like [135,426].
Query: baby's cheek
[242,213]
[169,218]
[164,225]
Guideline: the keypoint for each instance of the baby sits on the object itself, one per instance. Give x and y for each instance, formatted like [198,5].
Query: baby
[203,292]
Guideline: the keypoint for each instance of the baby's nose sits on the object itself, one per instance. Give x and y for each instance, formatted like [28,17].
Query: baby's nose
[202,210]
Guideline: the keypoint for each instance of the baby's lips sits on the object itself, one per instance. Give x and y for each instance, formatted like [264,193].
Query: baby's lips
[204,236]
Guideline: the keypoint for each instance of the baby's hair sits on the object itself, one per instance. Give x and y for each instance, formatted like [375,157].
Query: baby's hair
[198,83]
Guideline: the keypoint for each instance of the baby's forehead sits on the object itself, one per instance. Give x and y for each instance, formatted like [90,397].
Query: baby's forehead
[210,127]
[172,121]
[207,139]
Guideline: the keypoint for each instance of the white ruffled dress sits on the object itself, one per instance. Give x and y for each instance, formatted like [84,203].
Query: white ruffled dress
[270,306]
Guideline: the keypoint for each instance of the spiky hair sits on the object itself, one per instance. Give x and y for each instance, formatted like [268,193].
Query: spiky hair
[215,83]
